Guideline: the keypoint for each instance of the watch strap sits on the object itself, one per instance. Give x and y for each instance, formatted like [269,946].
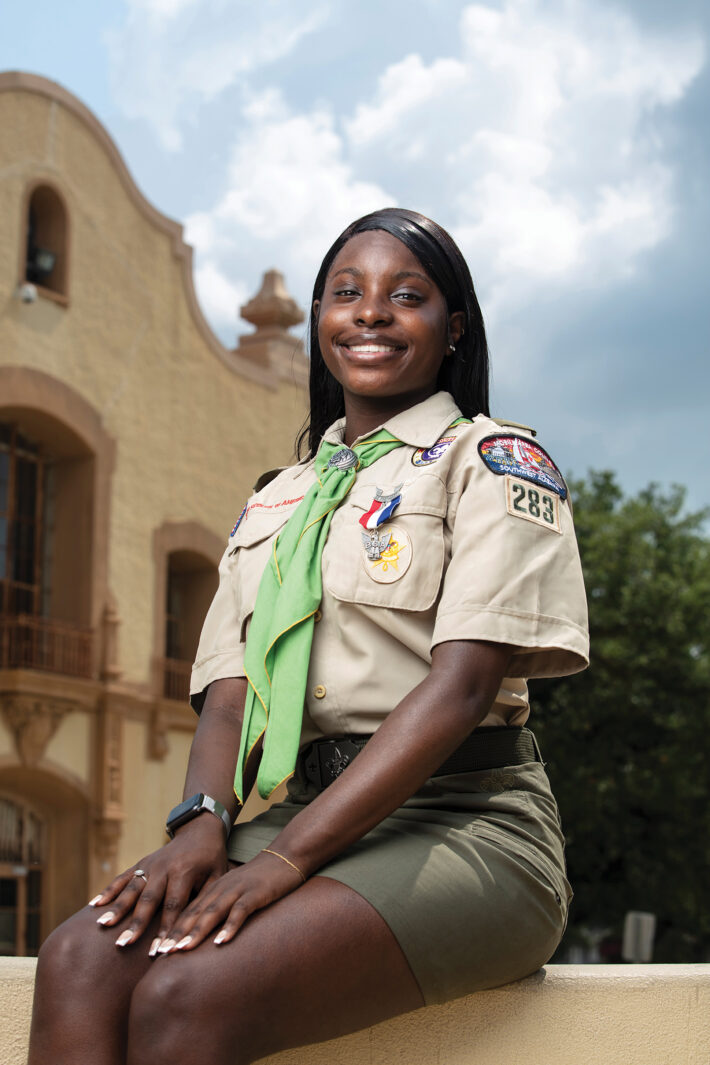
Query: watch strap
[219,810]
[192,807]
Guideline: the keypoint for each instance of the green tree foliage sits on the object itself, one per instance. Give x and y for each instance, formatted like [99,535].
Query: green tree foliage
[627,742]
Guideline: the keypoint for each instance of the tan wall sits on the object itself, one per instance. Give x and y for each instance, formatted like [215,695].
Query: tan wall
[161,432]
[192,434]
[563,1015]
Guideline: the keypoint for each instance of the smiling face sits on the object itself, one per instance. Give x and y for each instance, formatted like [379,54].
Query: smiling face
[383,326]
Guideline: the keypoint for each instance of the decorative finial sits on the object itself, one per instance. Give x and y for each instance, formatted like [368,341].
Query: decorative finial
[272,307]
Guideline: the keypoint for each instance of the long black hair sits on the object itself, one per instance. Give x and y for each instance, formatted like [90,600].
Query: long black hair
[464,374]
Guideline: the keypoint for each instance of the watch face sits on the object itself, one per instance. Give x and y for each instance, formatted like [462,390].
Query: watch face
[185,808]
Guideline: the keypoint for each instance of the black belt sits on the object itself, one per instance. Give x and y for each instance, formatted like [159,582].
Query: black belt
[322,761]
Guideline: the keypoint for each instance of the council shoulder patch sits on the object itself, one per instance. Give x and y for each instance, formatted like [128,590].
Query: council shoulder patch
[519,457]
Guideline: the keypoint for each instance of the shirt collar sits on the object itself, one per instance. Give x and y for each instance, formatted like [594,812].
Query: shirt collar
[419,426]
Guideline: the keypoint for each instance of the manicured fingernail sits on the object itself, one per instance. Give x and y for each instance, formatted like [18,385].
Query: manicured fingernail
[221,937]
[166,945]
[125,937]
[184,942]
[154,947]
[106,917]
[95,900]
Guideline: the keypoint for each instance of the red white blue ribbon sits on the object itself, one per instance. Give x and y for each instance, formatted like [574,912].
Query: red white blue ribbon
[382,508]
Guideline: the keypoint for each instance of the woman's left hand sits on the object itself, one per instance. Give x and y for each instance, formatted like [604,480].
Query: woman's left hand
[230,900]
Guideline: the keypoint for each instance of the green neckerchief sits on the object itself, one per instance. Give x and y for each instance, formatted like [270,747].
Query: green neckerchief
[278,648]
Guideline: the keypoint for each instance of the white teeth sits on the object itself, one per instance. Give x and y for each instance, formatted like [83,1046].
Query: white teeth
[371,347]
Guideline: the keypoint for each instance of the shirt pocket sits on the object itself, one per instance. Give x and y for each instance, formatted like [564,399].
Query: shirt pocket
[407,575]
[249,551]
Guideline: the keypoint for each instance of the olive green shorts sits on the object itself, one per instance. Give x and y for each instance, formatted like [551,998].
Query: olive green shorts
[469,875]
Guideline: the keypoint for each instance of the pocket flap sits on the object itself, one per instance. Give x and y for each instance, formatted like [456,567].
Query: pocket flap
[424,494]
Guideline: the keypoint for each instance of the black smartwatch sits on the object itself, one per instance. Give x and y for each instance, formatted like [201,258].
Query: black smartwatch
[193,806]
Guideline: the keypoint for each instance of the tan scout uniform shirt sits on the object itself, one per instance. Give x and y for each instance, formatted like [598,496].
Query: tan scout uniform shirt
[470,557]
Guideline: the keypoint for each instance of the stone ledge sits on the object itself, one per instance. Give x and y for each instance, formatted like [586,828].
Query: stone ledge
[563,1015]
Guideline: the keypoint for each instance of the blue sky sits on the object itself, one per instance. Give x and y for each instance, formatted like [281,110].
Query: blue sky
[563,142]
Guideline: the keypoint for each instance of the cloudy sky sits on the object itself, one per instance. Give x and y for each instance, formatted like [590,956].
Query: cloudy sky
[563,142]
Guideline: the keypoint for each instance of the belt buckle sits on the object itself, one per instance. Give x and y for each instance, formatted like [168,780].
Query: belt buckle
[325,760]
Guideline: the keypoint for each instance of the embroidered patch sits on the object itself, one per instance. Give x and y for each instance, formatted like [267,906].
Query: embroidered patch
[525,501]
[390,558]
[522,458]
[424,456]
[238,522]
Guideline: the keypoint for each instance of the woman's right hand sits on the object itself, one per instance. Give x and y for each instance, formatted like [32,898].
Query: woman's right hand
[176,873]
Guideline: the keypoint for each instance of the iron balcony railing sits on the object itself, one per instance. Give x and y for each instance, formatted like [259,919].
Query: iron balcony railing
[176,678]
[29,642]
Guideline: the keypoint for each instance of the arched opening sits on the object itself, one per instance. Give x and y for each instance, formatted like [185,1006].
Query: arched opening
[22,869]
[46,254]
[44,855]
[191,581]
[46,545]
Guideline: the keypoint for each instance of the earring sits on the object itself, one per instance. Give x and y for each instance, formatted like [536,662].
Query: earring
[452,347]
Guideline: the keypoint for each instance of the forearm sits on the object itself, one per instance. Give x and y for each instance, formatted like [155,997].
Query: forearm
[409,746]
[213,755]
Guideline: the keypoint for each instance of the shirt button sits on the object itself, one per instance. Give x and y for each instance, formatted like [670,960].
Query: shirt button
[319,691]
[318,615]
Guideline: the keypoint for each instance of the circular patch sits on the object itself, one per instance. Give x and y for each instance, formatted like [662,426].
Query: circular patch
[344,459]
[520,457]
[424,456]
[394,549]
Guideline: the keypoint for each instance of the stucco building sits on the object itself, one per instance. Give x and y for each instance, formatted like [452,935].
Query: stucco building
[129,438]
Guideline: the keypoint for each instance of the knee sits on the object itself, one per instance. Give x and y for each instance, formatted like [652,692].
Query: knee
[172,1008]
[70,952]
[167,1002]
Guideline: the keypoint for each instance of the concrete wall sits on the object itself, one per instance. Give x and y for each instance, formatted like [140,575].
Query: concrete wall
[563,1015]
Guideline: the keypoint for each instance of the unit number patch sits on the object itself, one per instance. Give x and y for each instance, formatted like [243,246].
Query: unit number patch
[524,500]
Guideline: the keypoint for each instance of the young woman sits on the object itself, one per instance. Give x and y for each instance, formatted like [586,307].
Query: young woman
[380,606]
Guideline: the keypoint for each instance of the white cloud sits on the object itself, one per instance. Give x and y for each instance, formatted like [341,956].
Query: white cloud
[404,87]
[290,191]
[171,56]
[288,176]
[160,10]
[540,138]
[220,297]
[536,141]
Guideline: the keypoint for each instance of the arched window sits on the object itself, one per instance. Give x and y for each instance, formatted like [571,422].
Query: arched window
[45,549]
[22,857]
[191,583]
[23,488]
[46,258]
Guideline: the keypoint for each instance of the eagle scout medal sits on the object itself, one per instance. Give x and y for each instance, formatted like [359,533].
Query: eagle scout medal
[375,544]
[344,459]
[382,507]
[424,456]
[388,553]
[519,457]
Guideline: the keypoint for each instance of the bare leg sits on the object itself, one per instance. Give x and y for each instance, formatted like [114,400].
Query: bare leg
[83,992]
[316,964]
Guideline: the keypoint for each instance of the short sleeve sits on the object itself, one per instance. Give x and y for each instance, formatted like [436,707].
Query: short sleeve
[514,575]
[220,652]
